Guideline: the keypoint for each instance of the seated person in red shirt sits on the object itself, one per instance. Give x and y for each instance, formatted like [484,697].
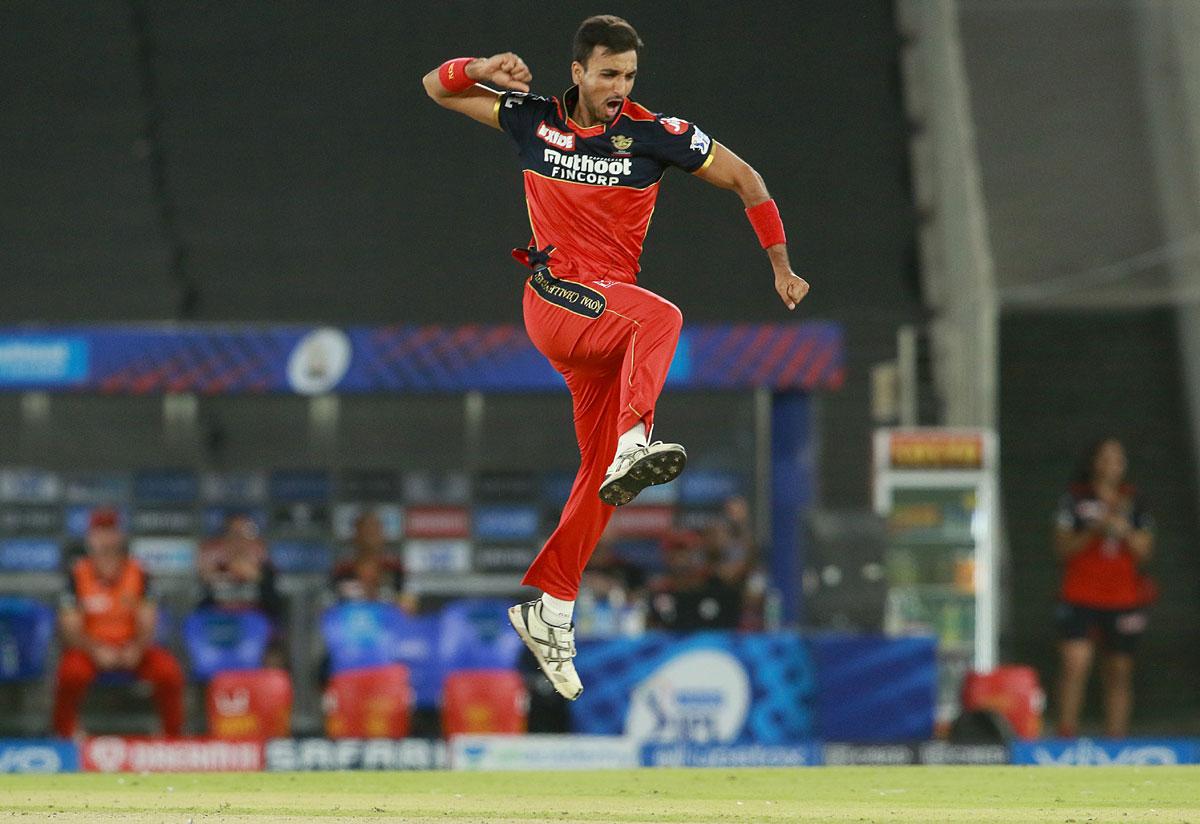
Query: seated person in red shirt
[371,574]
[108,626]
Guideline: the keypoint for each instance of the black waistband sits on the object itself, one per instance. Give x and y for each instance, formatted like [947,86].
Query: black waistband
[572,296]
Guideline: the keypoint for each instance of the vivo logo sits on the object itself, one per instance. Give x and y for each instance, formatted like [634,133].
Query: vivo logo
[1087,751]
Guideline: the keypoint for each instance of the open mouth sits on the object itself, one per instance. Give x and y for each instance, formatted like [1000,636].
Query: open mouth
[612,106]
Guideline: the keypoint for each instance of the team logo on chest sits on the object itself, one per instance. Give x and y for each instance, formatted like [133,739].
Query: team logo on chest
[621,143]
[557,139]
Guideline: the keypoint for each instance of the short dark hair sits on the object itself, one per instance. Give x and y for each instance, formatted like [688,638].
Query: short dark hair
[607,30]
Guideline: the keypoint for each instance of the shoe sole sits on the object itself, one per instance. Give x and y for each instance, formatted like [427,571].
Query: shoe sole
[652,470]
[518,623]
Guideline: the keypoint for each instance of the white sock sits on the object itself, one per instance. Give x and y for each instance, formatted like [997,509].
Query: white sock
[556,611]
[636,436]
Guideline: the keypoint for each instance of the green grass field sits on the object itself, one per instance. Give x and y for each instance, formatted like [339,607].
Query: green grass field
[851,794]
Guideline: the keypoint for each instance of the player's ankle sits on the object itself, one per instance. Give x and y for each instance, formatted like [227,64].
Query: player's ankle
[631,438]
[556,611]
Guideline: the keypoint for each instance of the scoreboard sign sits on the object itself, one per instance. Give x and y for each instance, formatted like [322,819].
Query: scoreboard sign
[935,450]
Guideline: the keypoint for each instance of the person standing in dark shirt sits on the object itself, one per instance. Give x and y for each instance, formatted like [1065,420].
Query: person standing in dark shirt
[1102,536]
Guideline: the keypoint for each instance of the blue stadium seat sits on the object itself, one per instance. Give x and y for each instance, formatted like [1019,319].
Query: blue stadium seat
[415,644]
[26,627]
[219,640]
[363,634]
[358,634]
[476,634]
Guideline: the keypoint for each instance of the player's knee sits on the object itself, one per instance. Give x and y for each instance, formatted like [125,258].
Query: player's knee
[165,671]
[74,670]
[172,675]
[670,318]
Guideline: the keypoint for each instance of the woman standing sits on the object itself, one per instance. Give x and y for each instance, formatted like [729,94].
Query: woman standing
[1102,537]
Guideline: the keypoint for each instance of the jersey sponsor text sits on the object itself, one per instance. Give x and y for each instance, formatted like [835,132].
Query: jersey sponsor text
[556,138]
[601,171]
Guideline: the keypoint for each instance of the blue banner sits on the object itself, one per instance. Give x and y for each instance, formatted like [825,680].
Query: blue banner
[30,486]
[736,755]
[301,556]
[704,688]
[874,689]
[1106,751]
[217,360]
[32,755]
[26,629]
[506,523]
[708,486]
[166,486]
[39,360]
[300,486]
[30,555]
[99,488]
[234,488]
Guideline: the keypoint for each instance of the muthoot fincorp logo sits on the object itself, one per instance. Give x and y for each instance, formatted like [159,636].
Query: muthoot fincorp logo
[581,168]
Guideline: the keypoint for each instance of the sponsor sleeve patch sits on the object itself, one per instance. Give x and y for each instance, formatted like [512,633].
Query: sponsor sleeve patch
[674,125]
[684,145]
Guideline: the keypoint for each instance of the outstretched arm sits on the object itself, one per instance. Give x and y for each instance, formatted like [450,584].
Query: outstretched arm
[728,171]
[455,84]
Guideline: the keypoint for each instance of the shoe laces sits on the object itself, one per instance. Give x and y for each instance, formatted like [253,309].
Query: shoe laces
[559,641]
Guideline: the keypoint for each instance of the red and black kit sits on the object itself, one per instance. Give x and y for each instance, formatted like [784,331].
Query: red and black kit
[591,193]
[1103,592]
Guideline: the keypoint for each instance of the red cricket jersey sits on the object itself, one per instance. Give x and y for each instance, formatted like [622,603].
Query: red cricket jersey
[109,608]
[591,191]
[1102,575]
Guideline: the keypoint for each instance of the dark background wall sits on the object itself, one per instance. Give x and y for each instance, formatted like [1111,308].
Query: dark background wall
[280,161]
[1067,379]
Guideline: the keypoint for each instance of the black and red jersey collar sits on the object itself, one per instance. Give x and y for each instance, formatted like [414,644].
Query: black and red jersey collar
[569,100]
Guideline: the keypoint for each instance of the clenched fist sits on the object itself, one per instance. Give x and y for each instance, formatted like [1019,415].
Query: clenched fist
[506,70]
[791,288]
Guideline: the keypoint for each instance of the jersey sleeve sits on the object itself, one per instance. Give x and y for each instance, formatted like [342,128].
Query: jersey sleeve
[518,114]
[1140,518]
[681,143]
[1064,515]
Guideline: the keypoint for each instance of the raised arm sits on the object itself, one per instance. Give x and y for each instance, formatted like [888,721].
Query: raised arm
[728,171]
[455,84]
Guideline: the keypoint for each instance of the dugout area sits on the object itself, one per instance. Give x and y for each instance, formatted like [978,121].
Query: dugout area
[178,428]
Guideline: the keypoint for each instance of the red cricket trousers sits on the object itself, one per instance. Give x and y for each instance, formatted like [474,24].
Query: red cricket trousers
[76,671]
[615,366]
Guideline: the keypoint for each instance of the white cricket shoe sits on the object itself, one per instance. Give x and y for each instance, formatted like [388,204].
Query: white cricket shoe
[639,467]
[552,646]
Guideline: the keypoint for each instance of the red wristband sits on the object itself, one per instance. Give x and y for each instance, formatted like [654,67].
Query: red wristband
[765,219]
[453,75]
